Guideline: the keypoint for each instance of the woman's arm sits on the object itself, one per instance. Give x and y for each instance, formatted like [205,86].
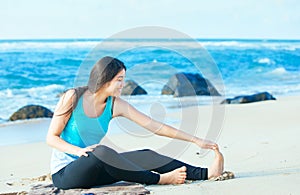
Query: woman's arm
[123,108]
[58,123]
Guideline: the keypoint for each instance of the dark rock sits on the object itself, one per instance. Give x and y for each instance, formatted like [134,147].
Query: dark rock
[117,188]
[132,88]
[31,111]
[249,98]
[188,84]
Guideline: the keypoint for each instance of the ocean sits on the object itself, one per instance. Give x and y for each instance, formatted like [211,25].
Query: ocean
[36,71]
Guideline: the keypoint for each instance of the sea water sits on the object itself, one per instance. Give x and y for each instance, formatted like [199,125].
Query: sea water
[37,71]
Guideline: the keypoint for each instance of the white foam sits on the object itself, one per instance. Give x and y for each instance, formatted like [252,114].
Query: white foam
[45,89]
[42,44]
[273,88]
[223,44]
[282,45]
[111,44]
[265,61]
[279,71]
[13,99]
[6,93]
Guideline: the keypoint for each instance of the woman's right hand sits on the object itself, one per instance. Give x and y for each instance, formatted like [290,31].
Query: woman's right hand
[84,151]
[206,144]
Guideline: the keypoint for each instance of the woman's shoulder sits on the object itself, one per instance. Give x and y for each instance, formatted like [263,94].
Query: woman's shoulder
[119,106]
[119,100]
[68,95]
[67,98]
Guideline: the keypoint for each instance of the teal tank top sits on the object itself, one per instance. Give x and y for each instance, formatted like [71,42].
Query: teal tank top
[83,131]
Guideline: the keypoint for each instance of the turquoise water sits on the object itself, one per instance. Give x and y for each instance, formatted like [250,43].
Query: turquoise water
[35,71]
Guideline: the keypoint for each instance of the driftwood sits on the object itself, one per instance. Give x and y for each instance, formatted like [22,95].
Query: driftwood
[120,188]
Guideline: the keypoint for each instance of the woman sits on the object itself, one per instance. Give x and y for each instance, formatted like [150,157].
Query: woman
[80,122]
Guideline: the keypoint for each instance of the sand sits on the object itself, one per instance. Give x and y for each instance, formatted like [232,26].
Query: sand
[259,142]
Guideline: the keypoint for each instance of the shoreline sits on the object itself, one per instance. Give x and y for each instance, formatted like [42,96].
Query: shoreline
[24,131]
[259,142]
[185,103]
[142,103]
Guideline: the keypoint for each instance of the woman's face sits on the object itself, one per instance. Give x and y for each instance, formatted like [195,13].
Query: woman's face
[116,84]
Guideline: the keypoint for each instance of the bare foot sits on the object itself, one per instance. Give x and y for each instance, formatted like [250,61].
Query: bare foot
[176,176]
[217,167]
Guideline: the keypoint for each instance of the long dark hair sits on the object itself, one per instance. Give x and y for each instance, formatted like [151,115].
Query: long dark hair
[102,72]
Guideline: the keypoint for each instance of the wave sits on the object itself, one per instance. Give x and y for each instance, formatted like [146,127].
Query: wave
[36,76]
[265,61]
[223,44]
[8,93]
[32,92]
[279,71]
[259,45]
[199,44]
[42,44]
[48,88]
[12,99]
[119,44]
[283,90]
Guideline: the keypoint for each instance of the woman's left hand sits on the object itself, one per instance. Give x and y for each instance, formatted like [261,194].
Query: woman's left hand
[84,151]
[93,146]
[206,144]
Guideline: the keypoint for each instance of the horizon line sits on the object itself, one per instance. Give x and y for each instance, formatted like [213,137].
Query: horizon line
[148,38]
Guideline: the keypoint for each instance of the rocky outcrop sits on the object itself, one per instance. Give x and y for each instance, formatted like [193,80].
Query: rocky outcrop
[132,88]
[31,111]
[249,98]
[188,84]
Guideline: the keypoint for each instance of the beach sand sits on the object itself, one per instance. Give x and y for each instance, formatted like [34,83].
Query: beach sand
[259,142]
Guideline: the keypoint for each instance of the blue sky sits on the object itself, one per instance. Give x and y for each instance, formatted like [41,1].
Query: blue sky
[267,19]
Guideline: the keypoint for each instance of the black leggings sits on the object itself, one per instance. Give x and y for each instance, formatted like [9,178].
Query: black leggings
[106,166]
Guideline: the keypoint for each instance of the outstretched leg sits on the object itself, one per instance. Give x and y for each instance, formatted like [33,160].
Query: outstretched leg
[105,166]
[176,176]
[122,168]
[151,160]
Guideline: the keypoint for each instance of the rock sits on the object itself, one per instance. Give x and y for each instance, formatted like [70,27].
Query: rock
[249,98]
[132,88]
[31,111]
[117,188]
[188,84]
[44,189]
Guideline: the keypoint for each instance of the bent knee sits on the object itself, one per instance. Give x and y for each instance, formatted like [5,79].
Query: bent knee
[149,151]
[102,151]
